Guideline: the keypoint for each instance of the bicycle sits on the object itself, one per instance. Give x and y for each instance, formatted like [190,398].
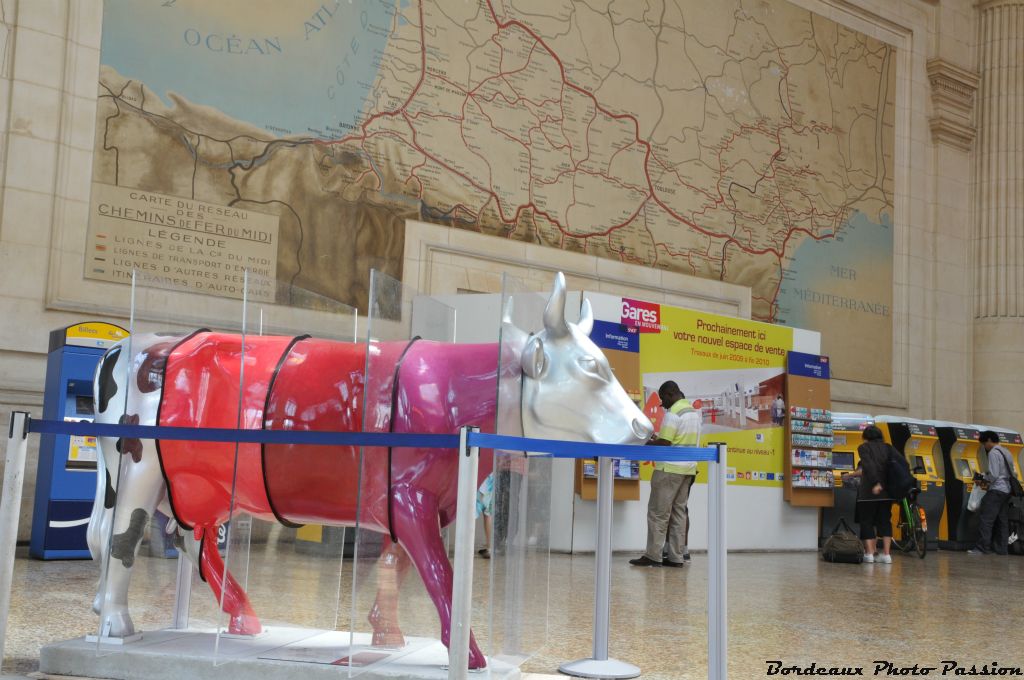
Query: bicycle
[913,527]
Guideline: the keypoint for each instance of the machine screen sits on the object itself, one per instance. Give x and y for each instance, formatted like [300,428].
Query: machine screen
[963,468]
[842,460]
[83,405]
[919,466]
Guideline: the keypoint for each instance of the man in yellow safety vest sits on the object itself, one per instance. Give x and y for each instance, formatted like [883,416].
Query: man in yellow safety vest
[667,514]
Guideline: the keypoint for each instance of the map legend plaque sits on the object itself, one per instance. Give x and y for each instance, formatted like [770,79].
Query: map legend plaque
[180,243]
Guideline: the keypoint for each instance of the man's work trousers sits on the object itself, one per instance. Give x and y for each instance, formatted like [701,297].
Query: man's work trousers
[667,516]
[994,527]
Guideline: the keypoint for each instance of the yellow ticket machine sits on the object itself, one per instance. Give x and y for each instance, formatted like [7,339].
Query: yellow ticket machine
[847,435]
[919,443]
[961,456]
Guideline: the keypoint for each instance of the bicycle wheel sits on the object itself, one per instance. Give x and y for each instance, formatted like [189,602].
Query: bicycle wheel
[905,541]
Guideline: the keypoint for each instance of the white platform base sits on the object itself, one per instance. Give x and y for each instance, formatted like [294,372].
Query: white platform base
[610,669]
[279,654]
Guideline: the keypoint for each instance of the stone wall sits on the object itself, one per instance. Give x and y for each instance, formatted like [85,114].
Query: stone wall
[47,117]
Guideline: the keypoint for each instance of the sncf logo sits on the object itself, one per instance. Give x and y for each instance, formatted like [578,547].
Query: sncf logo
[643,316]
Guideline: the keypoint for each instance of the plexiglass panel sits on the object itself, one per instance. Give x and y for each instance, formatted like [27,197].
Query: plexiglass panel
[280,582]
[522,497]
[416,380]
[136,531]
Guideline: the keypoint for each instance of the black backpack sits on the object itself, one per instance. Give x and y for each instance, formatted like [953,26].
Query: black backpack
[1016,491]
[898,480]
[843,545]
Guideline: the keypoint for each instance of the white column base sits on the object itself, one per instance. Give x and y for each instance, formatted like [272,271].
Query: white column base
[599,668]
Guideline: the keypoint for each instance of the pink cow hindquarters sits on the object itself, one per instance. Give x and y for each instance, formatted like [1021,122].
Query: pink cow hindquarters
[441,388]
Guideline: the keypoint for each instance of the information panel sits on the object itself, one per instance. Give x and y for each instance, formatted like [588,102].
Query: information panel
[181,242]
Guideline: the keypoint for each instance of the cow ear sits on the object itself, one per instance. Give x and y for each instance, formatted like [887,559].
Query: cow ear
[586,322]
[534,361]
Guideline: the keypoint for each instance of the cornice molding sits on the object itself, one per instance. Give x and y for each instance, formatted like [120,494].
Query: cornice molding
[992,4]
[953,89]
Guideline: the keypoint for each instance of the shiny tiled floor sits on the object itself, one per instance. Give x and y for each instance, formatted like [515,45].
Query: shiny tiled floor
[787,606]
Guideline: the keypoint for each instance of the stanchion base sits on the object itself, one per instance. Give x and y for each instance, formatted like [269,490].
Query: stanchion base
[603,668]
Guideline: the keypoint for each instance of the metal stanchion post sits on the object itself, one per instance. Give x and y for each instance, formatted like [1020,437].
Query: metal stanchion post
[600,666]
[465,536]
[182,592]
[10,508]
[718,631]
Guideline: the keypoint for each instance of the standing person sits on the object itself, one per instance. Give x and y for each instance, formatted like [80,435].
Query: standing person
[994,527]
[485,508]
[874,505]
[778,410]
[667,514]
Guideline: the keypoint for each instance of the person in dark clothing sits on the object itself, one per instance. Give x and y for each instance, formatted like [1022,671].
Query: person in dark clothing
[994,527]
[874,505]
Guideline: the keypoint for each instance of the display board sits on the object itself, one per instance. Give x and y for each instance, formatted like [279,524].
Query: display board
[810,468]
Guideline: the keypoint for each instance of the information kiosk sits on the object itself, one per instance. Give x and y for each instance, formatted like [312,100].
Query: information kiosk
[847,435]
[919,443]
[66,477]
[961,458]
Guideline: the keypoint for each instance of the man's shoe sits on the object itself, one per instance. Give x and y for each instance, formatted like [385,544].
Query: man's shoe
[869,558]
[686,558]
[670,563]
[885,559]
[645,561]
[979,551]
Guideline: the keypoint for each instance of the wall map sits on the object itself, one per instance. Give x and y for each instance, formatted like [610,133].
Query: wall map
[743,140]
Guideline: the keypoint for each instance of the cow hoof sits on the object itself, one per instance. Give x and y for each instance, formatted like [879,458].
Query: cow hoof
[245,624]
[477,660]
[117,624]
[390,640]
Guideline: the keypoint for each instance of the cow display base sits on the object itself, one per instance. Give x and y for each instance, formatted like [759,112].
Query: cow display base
[279,654]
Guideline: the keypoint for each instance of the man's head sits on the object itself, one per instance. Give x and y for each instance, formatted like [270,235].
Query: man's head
[872,434]
[988,439]
[669,393]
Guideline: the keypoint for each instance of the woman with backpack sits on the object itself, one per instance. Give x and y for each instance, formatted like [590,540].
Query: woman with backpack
[874,503]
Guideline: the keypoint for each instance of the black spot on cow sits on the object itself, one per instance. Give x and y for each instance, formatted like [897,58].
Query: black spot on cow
[110,497]
[123,546]
[129,445]
[150,375]
[108,386]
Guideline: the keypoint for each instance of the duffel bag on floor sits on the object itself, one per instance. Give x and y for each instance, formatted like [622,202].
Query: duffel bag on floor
[843,545]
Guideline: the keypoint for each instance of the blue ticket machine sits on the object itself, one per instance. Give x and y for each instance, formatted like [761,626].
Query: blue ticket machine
[66,477]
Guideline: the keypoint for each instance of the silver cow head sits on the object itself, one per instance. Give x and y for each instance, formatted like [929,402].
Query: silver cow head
[568,389]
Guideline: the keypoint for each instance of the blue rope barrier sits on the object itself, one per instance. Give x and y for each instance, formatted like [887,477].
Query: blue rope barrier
[556,448]
[563,449]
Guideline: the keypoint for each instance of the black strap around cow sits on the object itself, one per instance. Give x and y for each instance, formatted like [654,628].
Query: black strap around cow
[391,428]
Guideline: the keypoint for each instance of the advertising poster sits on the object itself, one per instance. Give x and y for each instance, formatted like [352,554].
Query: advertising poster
[731,370]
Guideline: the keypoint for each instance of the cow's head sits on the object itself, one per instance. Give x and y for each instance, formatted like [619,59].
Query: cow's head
[568,389]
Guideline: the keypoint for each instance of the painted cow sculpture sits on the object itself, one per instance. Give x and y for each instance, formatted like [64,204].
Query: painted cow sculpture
[307,384]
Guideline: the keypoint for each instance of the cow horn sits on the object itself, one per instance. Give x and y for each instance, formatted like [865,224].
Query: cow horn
[554,312]
[586,322]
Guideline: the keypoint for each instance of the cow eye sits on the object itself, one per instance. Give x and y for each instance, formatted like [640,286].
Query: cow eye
[590,366]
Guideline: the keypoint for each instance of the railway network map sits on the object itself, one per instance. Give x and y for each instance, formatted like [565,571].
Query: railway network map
[749,141]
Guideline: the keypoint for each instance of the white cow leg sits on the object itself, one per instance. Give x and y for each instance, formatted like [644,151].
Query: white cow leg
[138,491]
